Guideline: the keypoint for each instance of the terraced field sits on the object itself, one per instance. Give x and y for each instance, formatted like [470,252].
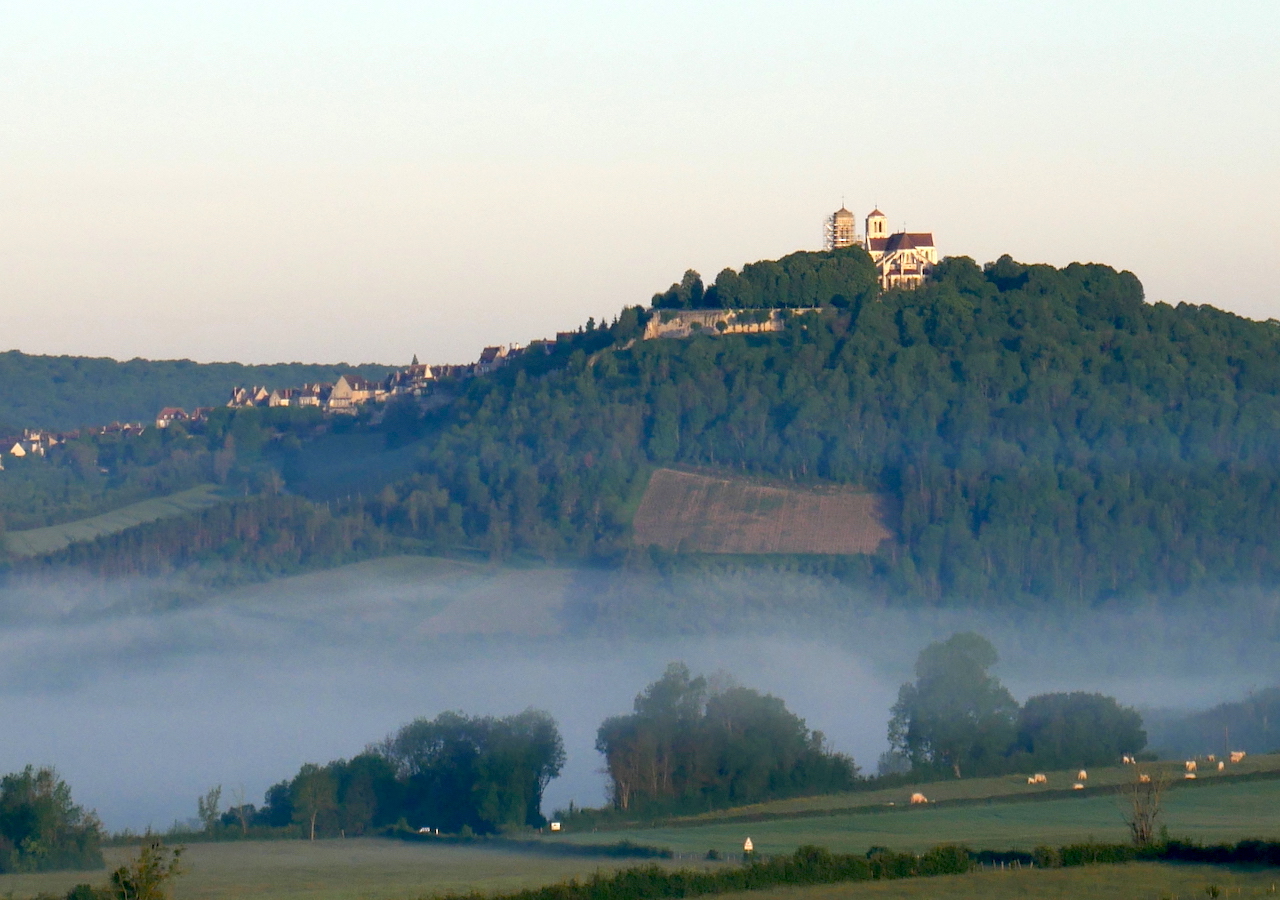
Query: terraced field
[704,513]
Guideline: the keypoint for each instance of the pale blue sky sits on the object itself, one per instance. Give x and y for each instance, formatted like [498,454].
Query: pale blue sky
[328,181]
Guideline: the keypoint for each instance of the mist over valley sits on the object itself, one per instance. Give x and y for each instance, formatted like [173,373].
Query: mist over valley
[144,693]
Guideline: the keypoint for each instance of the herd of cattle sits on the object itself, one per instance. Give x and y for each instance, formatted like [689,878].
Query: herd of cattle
[1190,767]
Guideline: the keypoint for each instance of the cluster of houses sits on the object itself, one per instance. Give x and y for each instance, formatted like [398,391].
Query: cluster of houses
[38,441]
[351,391]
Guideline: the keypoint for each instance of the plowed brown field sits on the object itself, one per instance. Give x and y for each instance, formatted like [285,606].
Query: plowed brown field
[701,513]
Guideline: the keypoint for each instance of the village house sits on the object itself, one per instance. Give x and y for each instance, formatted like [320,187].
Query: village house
[493,357]
[312,394]
[350,391]
[283,397]
[171,414]
[414,380]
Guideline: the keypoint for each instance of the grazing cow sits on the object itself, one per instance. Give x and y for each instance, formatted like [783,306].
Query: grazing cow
[1144,778]
[1041,778]
[1211,758]
[1190,776]
[918,798]
[1077,786]
[1221,765]
[1126,760]
[1191,765]
[1237,755]
[1083,775]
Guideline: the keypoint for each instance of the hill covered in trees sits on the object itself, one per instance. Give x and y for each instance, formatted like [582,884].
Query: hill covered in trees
[65,392]
[1039,434]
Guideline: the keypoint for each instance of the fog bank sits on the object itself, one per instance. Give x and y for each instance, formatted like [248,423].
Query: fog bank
[144,695]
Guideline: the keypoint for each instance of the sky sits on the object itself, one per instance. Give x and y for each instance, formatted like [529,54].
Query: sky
[327,181]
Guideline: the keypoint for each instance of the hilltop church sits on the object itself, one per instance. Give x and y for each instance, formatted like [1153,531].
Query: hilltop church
[903,259]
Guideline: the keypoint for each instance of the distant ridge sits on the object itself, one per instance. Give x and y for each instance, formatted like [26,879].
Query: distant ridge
[65,392]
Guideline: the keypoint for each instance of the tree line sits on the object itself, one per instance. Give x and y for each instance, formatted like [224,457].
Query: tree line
[957,718]
[454,774]
[65,392]
[691,745]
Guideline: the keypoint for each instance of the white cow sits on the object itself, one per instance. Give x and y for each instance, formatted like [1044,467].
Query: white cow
[919,798]
[1191,765]
[1082,775]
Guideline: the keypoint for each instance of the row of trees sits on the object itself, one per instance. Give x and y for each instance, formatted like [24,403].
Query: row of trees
[455,773]
[957,717]
[691,744]
[837,278]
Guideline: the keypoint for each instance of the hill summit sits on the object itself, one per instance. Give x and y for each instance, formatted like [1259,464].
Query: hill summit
[1030,433]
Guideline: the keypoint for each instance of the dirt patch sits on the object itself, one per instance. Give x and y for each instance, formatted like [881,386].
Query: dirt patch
[700,513]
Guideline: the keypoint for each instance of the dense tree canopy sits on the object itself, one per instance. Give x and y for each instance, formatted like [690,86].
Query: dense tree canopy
[956,715]
[1078,729]
[1039,433]
[687,745]
[41,828]
[453,773]
[482,772]
[65,392]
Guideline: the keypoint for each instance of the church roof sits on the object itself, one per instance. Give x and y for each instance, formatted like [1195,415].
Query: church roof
[843,213]
[903,240]
[876,212]
[908,240]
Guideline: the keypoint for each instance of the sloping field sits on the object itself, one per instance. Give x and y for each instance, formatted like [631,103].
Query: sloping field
[1223,812]
[36,541]
[699,513]
[999,787]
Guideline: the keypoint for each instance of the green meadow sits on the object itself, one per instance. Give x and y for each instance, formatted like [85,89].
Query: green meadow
[337,870]
[971,790]
[37,541]
[1228,810]
[1135,881]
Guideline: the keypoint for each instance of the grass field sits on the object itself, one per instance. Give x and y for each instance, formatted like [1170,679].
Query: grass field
[36,541]
[972,789]
[1226,811]
[337,870]
[386,870]
[349,869]
[1136,881]
[694,512]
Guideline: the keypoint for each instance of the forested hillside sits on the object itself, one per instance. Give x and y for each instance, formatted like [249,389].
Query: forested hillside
[1041,433]
[65,392]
